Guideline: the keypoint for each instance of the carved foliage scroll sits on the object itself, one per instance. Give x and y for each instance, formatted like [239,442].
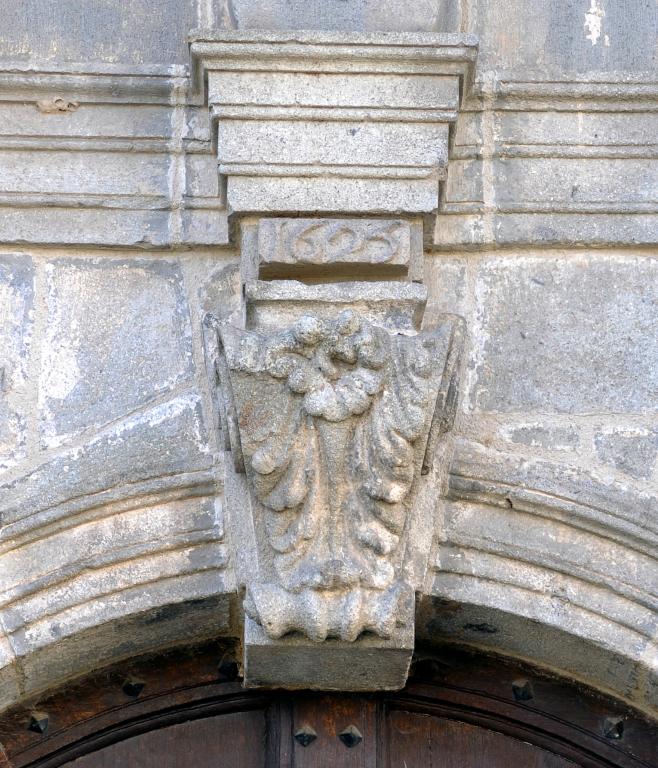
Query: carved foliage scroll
[333,418]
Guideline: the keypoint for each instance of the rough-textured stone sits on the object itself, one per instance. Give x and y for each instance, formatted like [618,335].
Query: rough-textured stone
[369,664]
[421,16]
[332,418]
[111,530]
[330,242]
[395,96]
[9,686]
[16,311]
[537,435]
[569,37]
[148,447]
[118,337]
[176,613]
[397,306]
[123,549]
[95,30]
[575,336]
[630,451]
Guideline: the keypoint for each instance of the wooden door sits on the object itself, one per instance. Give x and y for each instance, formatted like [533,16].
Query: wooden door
[460,711]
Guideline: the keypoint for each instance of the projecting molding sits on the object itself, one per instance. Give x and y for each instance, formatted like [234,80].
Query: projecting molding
[332,122]
[334,403]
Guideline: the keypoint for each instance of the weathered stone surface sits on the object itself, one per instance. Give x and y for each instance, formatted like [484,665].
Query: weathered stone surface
[555,336]
[181,612]
[118,337]
[630,451]
[559,182]
[90,173]
[370,663]
[96,226]
[322,242]
[592,129]
[121,548]
[418,145]
[16,313]
[249,193]
[446,281]
[127,33]
[332,471]
[571,37]
[9,686]
[90,121]
[148,447]
[110,533]
[591,500]
[397,306]
[423,16]
[355,125]
[537,435]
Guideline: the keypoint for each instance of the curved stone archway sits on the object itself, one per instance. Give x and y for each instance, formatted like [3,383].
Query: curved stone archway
[523,564]
[456,239]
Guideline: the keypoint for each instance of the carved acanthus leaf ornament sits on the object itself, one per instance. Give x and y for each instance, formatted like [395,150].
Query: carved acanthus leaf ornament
[330,420]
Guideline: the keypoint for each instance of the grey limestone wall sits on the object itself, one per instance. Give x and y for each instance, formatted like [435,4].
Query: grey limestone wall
[115,242]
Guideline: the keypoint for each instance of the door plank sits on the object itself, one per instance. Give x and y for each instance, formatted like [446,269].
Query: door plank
[235,740]
[416,740]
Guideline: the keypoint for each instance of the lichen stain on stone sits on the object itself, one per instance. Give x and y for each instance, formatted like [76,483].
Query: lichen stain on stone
[594,21]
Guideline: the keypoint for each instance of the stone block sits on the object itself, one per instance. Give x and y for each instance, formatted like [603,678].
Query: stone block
[567,336]
[84,226]
[301,89]
[268,194]
[286,246]
[325,143]
[445,278]
[118,336]
[85,173]
[538,435]
[565,38]
[204,227]
[151,446]
[201,177]
[464,183]
[632,451]
[9,686]
[575,128]
[563,183]
[16,310]
[115,32]
[367,664]
[90,121]
[106,554]
[361,15]
[175,613]
[328,124]
[275,303]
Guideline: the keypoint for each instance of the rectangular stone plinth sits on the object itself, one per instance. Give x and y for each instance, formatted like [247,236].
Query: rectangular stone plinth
[293,662]
[397,306]
[296,247]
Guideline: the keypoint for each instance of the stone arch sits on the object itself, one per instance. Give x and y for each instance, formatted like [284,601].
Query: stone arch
[532,560]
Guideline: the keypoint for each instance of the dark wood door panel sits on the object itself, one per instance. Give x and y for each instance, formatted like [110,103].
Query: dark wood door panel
[423,741]
[235,740]
[345,728]
[458,711]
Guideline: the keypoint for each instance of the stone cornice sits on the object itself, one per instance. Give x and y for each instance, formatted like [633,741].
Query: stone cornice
[326,122]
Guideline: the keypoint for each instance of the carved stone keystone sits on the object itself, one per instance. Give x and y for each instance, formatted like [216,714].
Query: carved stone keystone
[335,401]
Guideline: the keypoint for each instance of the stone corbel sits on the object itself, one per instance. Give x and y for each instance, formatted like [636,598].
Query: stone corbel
[336,403]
